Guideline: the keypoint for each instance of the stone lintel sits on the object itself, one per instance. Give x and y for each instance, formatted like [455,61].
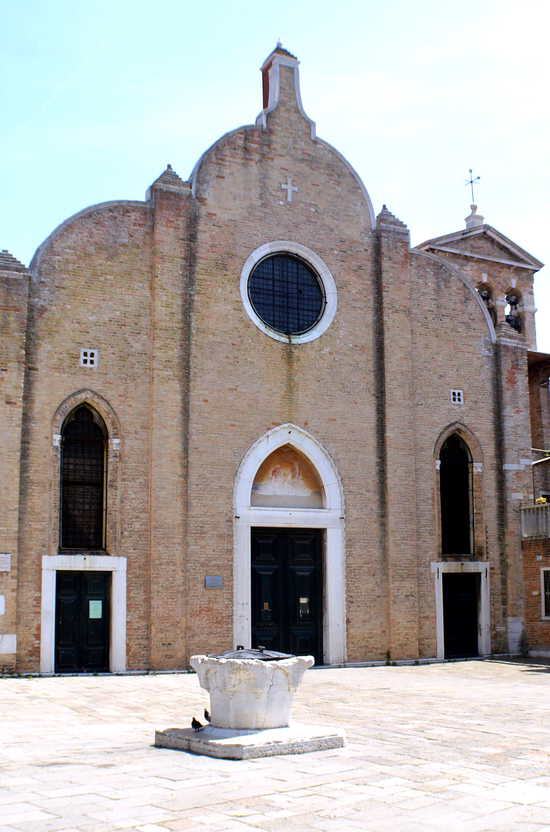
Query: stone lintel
[231,744]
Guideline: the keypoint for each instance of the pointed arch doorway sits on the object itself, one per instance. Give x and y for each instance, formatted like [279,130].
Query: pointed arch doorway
[289,541]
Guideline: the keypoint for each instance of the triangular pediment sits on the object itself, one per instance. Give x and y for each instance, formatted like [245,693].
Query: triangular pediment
[483,243]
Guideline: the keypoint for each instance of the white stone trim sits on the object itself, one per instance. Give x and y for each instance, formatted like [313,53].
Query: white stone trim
[474,256]
[275,62]
[331,518]
[82,563]
[323,272]
[8,644]
[484,612]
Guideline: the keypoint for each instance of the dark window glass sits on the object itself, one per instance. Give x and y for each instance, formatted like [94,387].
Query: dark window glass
[82,480]
[454,474]
[286,294]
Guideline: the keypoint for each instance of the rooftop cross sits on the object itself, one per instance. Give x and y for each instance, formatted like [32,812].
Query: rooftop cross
[471,182]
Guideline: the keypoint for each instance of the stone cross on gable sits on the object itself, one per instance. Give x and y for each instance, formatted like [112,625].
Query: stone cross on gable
[289,188]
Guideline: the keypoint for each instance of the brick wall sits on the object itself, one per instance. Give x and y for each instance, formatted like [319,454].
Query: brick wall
[13,321]
[536,556]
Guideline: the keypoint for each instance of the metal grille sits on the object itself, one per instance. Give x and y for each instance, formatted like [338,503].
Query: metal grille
[286,294]
[82,478]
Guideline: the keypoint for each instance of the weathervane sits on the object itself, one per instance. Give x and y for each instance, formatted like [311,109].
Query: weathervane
[471,182]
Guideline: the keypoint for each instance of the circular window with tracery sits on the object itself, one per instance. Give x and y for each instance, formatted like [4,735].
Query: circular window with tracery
[288,292]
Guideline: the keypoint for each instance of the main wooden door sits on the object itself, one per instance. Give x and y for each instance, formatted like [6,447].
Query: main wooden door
[82,622]
[461,614]
[287,600]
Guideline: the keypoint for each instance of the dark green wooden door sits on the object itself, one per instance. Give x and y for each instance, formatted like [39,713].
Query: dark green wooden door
[82,622]
[287,585]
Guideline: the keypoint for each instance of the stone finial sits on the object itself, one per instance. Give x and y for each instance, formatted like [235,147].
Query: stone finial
[474,220]
[169,181]
[282,51]
[281,81]
[387,221]
[9,263]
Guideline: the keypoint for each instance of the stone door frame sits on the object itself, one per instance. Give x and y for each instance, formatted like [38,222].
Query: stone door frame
[439,568]
[51,564]
[330,518]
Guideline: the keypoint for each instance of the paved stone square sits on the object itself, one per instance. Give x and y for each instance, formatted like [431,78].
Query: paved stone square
[459,746]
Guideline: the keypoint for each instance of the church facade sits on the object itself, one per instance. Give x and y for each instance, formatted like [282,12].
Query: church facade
[245,412]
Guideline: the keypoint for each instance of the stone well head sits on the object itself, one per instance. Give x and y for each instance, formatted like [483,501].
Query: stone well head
[250,689]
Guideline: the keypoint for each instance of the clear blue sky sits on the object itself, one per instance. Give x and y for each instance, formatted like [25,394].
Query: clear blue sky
[96,97]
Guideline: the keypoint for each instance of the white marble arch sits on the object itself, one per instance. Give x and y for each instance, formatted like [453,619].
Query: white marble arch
[330,518]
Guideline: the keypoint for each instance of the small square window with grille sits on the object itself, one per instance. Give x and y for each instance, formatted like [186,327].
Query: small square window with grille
[545,587]
[457,396]
[89,357]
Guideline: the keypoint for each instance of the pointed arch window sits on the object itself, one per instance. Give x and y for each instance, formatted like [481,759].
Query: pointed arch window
[455,480]
[83,468]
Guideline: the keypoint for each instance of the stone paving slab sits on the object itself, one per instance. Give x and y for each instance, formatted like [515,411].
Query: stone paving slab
[458,746]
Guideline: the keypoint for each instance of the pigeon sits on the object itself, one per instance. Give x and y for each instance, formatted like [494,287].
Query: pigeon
[206,715]
[196,725]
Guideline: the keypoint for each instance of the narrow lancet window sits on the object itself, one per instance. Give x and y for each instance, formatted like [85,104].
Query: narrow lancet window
[456,497]
[83,444]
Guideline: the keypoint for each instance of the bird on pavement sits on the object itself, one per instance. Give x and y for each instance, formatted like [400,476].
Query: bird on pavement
[196,725]
[206,715]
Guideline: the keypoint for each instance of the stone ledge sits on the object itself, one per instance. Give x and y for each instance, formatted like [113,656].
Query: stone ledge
[245,745]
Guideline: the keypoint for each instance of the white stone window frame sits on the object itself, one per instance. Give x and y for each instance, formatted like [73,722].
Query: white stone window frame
[440,568]
[544,613]
[457,396]
[89,357]
[331,518]
[51,564]
[319,267]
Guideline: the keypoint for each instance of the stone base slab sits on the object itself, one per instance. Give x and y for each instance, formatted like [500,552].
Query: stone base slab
[231,744]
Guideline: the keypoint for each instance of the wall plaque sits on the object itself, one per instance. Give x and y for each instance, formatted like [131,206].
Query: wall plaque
[5,562]
[213,582]
[95,609]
